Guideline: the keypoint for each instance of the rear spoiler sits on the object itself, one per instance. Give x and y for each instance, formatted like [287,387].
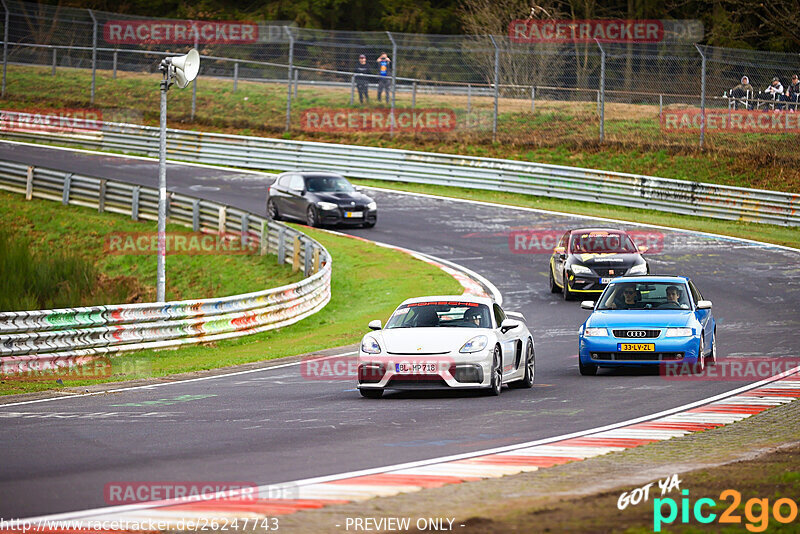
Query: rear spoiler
[516,315]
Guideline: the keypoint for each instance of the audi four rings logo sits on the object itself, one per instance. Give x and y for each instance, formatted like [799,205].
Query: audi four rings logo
[636,333]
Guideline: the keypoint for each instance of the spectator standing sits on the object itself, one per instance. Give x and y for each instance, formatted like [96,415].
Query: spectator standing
[362,79]
[384,75]
[793,91]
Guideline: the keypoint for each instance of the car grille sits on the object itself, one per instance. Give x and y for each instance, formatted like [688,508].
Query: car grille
[604,273]
[635,333]
[637,356]
[416,353]
[416,381]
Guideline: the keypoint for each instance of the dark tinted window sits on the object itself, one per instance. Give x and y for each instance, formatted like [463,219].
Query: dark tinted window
[599,242]
[499,316]
[328,184]
[441,314]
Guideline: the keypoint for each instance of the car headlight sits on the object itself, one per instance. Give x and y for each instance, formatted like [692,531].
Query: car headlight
[638,269]
[370,346]
[327,206]
[679,332]
[476,344]
[580,269]
[595,332]
[372,206]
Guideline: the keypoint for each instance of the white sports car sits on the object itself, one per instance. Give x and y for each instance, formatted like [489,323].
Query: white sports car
[451,341]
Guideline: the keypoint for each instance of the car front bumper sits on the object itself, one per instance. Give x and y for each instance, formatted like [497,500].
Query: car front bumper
[604,351]
[452,370]
[339,216]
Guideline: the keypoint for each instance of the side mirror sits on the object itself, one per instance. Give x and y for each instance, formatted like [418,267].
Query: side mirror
[704,305]
[357,188]
[508,324]
[587,305]
[375,325]
[560,251]
[643,249]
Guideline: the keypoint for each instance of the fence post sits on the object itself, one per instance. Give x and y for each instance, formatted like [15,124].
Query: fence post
[55,60]
[194,84]
[533,98]
[469,98]
[195,215]
[245,230]
[94,53]
[296,81]
[281,245]
[222,220]
[602,92]
[5,47]
[235,75]
[394,80]
[289,80]
[296,255]
[65,193]
[135,203]
[101,200]
[496,86]
[414,95]
[29,183]
[702,97]
[264,240]
[307,258]
[352,89]
[660,108]
[114,65]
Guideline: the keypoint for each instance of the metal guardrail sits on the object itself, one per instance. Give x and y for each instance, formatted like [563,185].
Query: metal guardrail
[84,332]
[555,181]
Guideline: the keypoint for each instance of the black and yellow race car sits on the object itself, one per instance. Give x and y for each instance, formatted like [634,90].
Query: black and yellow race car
[586,259]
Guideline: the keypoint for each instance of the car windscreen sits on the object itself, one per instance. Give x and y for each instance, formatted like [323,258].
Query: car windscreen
[440,314]
[600,242]
[328,184]
[645,296]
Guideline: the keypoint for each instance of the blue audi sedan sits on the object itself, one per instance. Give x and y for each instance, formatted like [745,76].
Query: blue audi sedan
[645,321]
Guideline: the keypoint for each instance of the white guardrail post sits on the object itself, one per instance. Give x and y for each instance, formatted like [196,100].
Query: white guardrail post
[78,333]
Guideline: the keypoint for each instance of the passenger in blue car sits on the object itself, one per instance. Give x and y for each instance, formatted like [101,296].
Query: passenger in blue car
[675,299]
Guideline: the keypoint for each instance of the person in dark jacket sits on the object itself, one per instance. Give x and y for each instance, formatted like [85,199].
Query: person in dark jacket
[793,92]
[362,80]
[384,75]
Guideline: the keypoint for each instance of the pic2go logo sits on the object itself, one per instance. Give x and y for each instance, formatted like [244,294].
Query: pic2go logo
[756,511]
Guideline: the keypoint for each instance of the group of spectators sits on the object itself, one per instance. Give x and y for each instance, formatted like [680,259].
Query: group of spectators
[363,75]
[775,92]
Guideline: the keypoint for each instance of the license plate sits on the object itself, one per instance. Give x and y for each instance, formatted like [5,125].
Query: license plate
[353,214]
[636,347]
[415,367]
[605,280]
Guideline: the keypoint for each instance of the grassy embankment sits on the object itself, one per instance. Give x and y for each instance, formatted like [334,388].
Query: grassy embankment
[79,233]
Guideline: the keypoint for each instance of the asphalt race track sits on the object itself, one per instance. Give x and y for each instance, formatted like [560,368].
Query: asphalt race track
[275,426]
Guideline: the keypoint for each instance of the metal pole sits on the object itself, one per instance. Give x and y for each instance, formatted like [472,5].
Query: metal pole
[94,53]
[289,80]
[194,84]
[702,97]
[235,75]
[414,95]
[602,90]
[162,191]
[352,89]
[660,108]
[394,80]
[296,78]
[533,98]
[496,86]
[5,48]
[114,65]
[469,98]
[55,60]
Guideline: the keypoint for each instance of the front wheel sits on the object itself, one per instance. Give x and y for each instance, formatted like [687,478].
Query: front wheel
[497,374]
[272,211]
[371,393]
[567,293]
[700,365]
[311,217]
[530,369]
[712,359]
[587,369]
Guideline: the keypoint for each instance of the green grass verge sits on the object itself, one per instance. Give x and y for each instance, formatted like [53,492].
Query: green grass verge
[368,283]
[76,231]
[558,132]
[769,233]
